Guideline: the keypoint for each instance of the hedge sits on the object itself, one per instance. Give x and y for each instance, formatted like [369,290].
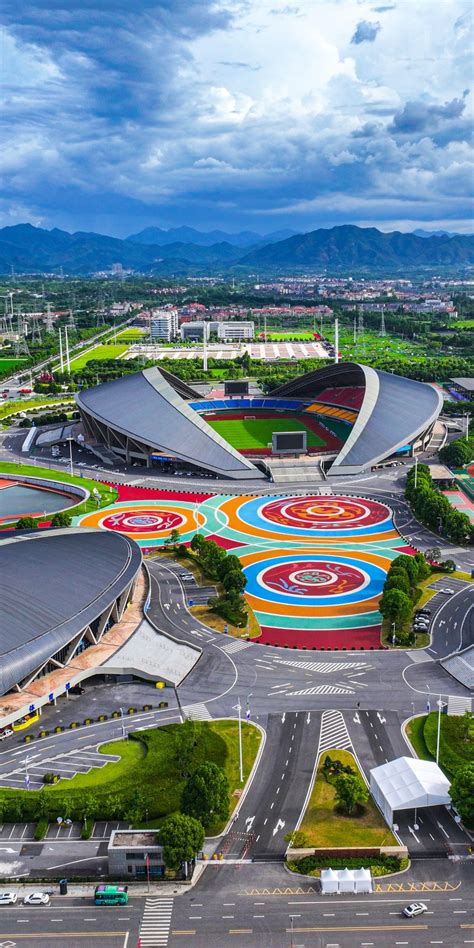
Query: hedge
[309,863]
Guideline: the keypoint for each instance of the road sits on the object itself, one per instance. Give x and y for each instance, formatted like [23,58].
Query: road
[72,922]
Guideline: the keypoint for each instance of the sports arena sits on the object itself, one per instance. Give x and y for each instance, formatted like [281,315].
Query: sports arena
[347,416]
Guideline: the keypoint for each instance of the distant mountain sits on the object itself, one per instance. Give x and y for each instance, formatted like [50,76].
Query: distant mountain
[188,235]
[34,250]
[31,249]
[349,247]
[434,233]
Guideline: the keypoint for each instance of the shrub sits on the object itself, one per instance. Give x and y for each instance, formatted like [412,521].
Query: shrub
[74,724]
[102,717]
[86,831]
[131,710]
[43,733]
[58,729]
[115,714]
[87,720]
[41,828]
[48,777]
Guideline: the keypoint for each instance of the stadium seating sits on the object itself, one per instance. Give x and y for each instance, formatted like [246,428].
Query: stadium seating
[344,396]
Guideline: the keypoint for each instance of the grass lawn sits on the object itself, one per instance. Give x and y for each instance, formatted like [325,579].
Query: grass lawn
[257,433]
[463,324]
[10,365]
[54,404]
[98,354]
[290,336]
[455,748]
[107,494]
[129,335]
[324,826]
[149,766]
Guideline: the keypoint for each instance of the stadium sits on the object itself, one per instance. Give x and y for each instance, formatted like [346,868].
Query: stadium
[335,417]
[62,591]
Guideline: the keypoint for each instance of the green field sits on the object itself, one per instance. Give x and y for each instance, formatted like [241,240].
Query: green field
[257,433]
[9,365]
[463,324]
[98,354]
[128,335]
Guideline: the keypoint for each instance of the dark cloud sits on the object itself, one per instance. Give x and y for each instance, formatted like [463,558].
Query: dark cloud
[365,32]
[418,116]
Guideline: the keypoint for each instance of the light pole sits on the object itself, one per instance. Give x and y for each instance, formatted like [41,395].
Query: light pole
[292,923]
[413,708]
[123,724]
[416,472]
[241,764]
[27,776]
[440,705]
[71,469]
[247,706]
[428,700]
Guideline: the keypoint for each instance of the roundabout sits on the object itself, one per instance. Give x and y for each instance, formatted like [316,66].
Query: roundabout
[315,565]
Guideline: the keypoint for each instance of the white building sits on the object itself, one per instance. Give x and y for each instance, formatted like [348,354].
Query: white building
[164,324]
[231,332]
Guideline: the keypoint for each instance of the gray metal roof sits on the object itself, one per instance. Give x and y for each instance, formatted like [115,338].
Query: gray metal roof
[464,382]
[53,583]
[394,411]
[145,407]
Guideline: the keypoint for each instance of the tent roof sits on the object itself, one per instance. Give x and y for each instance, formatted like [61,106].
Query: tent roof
[408,782]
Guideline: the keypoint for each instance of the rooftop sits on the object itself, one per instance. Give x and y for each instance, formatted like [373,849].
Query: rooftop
[131,839]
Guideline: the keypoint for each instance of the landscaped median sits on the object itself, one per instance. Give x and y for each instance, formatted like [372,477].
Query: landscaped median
[341,826]
[147,783]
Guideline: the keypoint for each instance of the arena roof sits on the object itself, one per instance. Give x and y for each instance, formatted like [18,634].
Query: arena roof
[394,411]
[146,408]
[53,583]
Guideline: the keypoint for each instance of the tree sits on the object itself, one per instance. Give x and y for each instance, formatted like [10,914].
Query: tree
[351,791]
[185,740]
[395,605]
[234,581]
[462,793]
[173,538]
[398,580]
[433,554]
[449,566]
[61,519]
[26,523]
[206,795]
[182,837]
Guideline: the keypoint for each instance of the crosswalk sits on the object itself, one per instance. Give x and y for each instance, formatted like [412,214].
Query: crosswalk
[197,712]
[155,927]
[457,705]
[333,732]
[324,668]
[235,645]
[323,690]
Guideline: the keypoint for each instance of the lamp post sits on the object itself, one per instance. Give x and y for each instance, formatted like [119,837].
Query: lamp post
[416,472]
[123,723]
[27,776]
[71,469]
[440,705]
[292,923]
[238,708]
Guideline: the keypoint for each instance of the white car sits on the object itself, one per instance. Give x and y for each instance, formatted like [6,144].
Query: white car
[8,898]
[416,908]
[446,591]
[36,898]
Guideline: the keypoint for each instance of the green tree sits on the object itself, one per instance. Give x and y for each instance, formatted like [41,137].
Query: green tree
[61,519]
[395,605]
[398,580]
[433,554]
[234,581]
[185,740]
[173,538]
[206,794]
[351,791]
[26,523]
[462,793]
[182,837]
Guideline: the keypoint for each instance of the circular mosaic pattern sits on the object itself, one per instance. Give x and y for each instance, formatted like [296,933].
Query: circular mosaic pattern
[331,513]
[313,578]
[144,522]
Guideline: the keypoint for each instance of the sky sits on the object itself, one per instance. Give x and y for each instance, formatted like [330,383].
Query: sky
[237,114]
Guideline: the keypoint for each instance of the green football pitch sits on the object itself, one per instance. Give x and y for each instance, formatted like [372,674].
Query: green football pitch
[257,433]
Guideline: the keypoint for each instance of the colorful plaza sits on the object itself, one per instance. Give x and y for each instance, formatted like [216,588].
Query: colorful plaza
[315,565]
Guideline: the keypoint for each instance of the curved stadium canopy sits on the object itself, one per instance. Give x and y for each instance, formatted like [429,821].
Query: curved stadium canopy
[53,585]
[146,414]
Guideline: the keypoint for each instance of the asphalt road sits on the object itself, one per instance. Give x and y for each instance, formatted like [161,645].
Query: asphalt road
[72,922]
[239,907]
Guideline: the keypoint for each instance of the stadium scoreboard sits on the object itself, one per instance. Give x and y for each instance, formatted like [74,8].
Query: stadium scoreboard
[289,442]
[236,388]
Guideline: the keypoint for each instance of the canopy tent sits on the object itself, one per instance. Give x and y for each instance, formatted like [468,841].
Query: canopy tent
[337,881]
[408,783]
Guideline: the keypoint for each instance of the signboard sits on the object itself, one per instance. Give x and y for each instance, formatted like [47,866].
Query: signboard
[236,388]
[289,442]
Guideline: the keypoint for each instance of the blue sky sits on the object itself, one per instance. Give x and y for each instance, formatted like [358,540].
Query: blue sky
[240,114]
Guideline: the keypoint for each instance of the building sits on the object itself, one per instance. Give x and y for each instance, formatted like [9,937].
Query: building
[152,417]
[194,331]
[235,331]
[135,854]
[463,386]
[61,592]
[164,324]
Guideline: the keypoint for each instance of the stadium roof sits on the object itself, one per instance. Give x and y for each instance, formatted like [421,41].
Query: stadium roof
[145,407]
[466,383]
[393,413]
[53,583]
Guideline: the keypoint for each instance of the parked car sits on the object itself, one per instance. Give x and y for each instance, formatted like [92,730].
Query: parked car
[8,898]
[36,898]
[446,590]
[416,908]
[5,733]
[423,612]
[77,690]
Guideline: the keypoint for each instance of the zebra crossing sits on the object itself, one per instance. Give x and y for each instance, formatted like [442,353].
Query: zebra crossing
[156,921]
[334,733]
[323,690]
[458,705]
[197,712]
[234,645]
[324,668]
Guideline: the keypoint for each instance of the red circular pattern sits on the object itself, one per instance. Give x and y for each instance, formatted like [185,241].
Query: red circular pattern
[324,513]
[312,578]
[143,521]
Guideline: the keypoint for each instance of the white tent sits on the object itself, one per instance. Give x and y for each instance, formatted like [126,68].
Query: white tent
[329,881]
[337,881]
[408,783]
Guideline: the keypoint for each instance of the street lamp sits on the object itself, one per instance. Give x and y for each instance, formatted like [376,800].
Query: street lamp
[292,923]
[238,708]
[27,776]
[123,724]
[440,705]
[71,469]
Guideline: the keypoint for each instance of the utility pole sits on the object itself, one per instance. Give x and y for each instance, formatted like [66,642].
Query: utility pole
[383,331]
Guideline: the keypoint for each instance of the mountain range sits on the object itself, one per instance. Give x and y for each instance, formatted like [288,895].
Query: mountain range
[31,249]
[188,235]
